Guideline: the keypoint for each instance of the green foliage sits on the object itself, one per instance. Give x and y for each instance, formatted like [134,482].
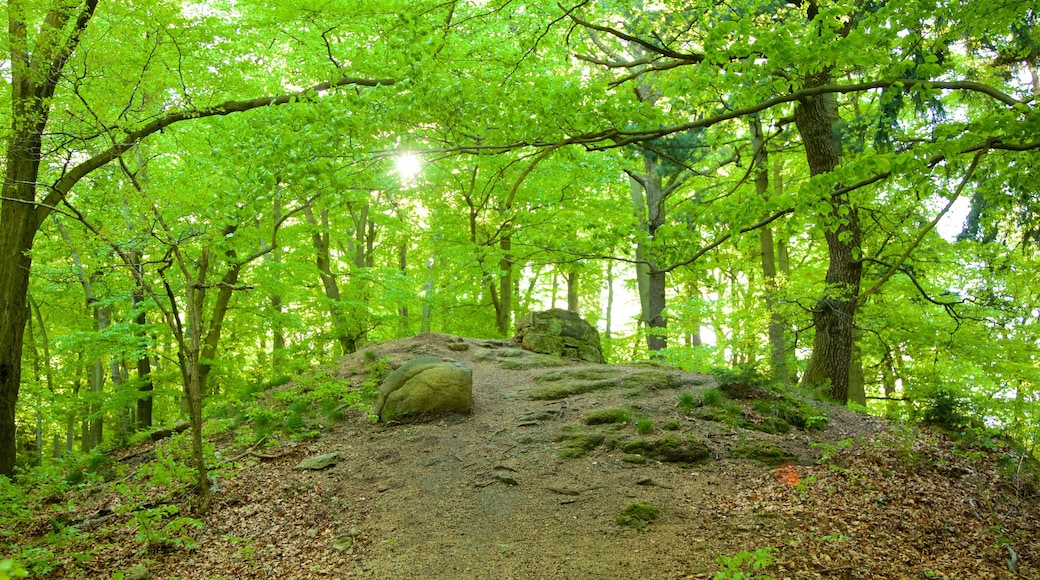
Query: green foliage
[638,515]
[943,407]
[737,566]
[12,569]
[644,426]
[171,469]
[159,536]
[744,382]
[687,401]
[40,561]
[712,398]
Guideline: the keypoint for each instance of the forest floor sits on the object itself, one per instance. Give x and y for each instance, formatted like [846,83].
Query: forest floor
[489,496]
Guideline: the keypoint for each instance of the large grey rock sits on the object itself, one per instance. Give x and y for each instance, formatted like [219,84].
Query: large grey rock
[560,333]
[318,462]
[425,386]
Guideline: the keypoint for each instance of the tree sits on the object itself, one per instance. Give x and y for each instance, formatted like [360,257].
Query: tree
[806,54]
[32,190]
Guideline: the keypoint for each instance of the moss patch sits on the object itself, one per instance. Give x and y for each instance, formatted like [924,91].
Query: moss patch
[763,451]
[637,515]
[607,416]
[575,443]
[670,449]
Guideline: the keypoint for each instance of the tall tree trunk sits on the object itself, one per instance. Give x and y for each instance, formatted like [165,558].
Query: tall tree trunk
[402,264]
[776,324]
[555,287]
[648,196]
[320,240]
[17,230]
[694,339]
[504,303]
[94,432]
[609,310]
[834,314]
[275,300]
[572,291]
[189,350]
[427,308]
[656,323]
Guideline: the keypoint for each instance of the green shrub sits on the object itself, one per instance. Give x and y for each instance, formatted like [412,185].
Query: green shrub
[644,426]
[712,398]
[733,567]
[12,569]
[687,402]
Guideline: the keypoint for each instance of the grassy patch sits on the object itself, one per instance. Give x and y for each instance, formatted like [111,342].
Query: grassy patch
[607,416]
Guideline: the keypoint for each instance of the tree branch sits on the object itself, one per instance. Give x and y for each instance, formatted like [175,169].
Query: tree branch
[70,179]
[924,231]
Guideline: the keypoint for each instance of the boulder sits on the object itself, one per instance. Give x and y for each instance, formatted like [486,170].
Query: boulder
[425,386]
[318,462]
[560,333]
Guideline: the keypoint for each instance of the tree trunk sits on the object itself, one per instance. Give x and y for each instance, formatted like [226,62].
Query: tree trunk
[555,287]
[144,363]
[655,321]
[275,300]
[572,291]
[320,240]
[834,314]
[776,324]
[402,264]
[694,339]
[609,310]
[504,304]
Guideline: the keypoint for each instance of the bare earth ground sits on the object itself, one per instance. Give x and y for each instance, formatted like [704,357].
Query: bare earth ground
[486,496]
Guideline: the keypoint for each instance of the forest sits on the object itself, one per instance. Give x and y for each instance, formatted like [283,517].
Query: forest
[201,197]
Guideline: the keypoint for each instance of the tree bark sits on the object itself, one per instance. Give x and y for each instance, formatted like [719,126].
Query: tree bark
[834,314]
[777,340]
[504,301]
[323,261]
[572,291]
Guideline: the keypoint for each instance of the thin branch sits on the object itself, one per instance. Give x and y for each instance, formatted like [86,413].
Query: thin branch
[924,231]
[663,51]
[70,179]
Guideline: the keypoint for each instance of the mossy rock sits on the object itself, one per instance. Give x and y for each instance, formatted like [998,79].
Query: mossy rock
[638,515]
[581,374]
[607,416]
[763,451]
[651,380]
[564,389]
[531,361]
[669,448]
